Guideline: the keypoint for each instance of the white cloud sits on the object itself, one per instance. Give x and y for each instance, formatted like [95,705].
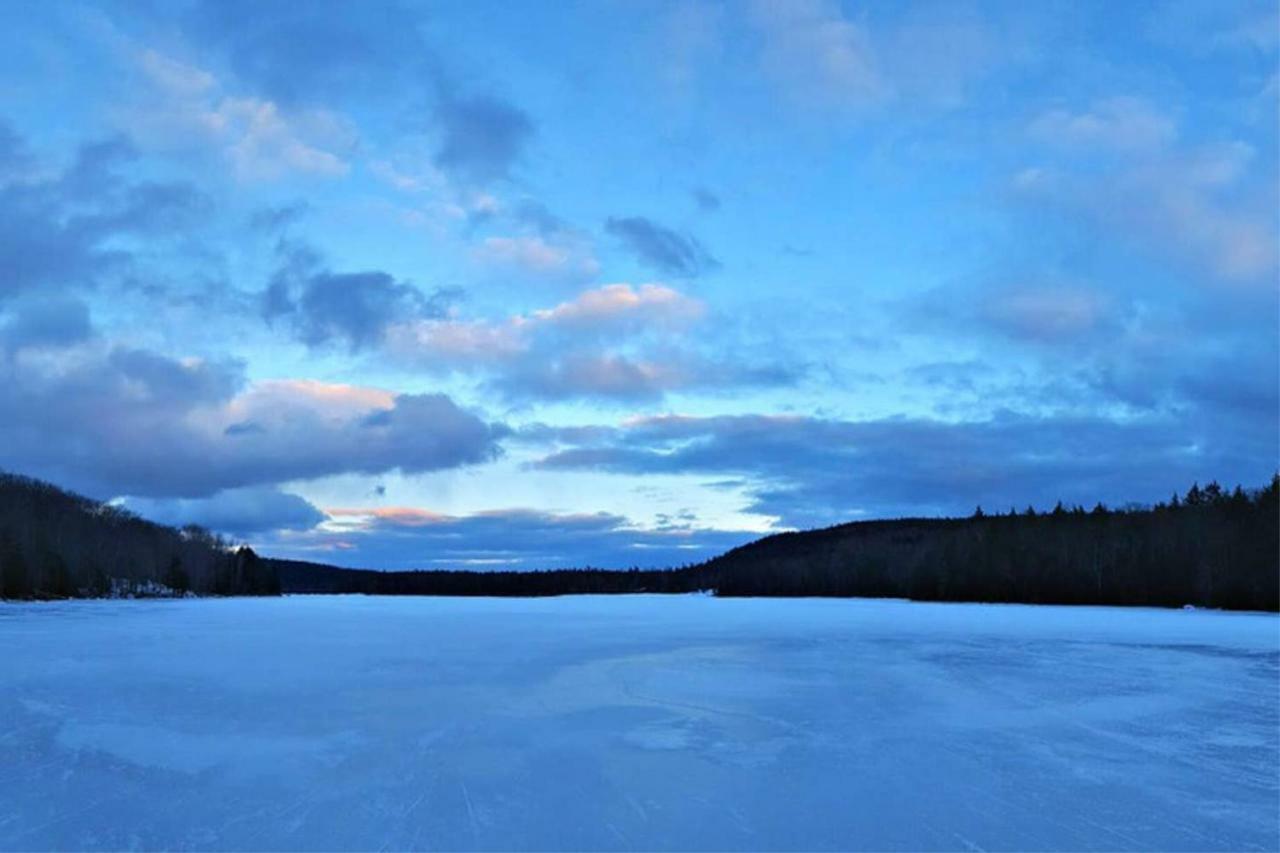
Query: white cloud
[1201,204]
[816,53]
[537,255]
[1120,123]
[255,137]
[619,341]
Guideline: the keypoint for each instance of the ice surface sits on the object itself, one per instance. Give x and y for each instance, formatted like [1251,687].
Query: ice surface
[635,722]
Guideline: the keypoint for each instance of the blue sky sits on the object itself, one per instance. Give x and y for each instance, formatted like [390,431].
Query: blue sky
[629,283]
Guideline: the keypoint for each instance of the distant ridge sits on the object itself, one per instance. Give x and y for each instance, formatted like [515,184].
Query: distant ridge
[1209,548]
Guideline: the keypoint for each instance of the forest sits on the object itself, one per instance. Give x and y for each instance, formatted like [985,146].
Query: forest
[56,544]
[1209,547]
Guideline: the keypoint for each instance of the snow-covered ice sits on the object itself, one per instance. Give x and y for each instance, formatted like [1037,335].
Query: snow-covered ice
[636,722]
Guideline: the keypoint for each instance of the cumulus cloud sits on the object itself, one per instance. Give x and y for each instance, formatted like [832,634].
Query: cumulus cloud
[114,421]
[661,248]
[355,309]
[606,311]
[255,137]
[233,512]
[618,341]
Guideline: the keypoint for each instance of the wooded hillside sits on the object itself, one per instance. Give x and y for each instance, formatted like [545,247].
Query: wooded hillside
[56,544]
[1211,548]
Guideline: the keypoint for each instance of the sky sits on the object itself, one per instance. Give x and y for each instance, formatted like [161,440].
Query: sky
[625,283]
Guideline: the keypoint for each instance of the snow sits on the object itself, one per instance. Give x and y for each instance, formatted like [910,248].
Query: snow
[635,722]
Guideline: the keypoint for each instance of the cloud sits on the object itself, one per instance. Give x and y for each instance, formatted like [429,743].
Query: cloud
[1046,313]
[278,218]
[690,36]
[112,421]
[1210,205]
[55,321]
[294,54]
[661,248]
[481,137]
[816,53]
[537,255]
[706,200]
[809,471]
[620,377]
[544,245]
[621,304]
[606,376]
[65,231]
[15,157]
[1200,27]
[506,539]
[355,307]
[1120,123]
[255,137]
[1043,310]
[916,57]
[351,309]
[608,311]
[619,341]
[233,512]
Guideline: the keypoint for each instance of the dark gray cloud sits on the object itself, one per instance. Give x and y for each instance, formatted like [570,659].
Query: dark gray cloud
[129,421]
[523,539]
[812,471]
[481,137]
[661,248]
[354,307]
[234,512]
[323,307]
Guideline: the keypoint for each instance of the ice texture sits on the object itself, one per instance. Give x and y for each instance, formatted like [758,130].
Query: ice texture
[635,722]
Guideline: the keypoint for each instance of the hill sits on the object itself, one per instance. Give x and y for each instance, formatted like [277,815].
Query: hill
[1211,548]
[57,544]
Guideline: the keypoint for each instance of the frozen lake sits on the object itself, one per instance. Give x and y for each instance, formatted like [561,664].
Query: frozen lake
[635,722]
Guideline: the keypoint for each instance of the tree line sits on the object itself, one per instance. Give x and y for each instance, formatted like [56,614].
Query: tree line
[316,578]
[56,544]
[1208,547]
